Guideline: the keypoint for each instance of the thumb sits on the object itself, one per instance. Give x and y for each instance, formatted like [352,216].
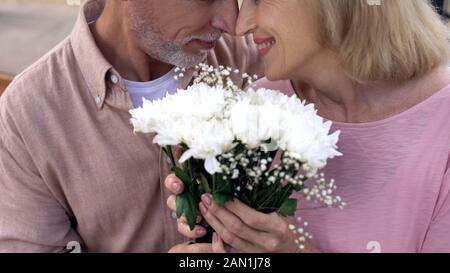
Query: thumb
[217,244]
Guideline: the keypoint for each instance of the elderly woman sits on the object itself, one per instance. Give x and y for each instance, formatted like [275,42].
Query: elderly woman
[379,73]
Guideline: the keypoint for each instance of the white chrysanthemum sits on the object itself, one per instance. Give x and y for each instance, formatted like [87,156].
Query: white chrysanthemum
[193,117]
[206,141]
[257,115]
[308,139]
[198,103]
[254,124]
[209,119]
[174,131]
[145,118]
[268,97]
[294,127]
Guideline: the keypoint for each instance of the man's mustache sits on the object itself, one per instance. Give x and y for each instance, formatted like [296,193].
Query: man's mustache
[209,37]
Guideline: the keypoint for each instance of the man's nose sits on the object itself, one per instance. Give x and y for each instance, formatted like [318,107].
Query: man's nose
[225,16]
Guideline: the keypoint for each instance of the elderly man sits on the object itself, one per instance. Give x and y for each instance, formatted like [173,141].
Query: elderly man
[71,169]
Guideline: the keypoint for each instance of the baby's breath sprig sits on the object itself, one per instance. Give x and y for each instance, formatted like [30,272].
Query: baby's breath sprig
[301,233]
[323,192]
[220,76]
[179,73]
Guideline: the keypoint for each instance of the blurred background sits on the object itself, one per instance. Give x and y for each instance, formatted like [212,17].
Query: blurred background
[30,28]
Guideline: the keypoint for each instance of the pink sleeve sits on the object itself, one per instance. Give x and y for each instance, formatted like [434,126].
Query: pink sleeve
[31,219]
[438,236]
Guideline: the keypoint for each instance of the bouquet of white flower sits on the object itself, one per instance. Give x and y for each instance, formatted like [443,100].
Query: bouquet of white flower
[230,139]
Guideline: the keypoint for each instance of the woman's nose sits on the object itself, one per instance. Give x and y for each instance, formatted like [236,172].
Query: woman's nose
[246,20]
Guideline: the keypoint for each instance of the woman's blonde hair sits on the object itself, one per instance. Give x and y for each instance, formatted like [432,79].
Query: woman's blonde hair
[383,40]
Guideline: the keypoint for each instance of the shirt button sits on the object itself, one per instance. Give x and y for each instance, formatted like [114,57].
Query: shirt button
[174,215]
[114,79]
[98,100]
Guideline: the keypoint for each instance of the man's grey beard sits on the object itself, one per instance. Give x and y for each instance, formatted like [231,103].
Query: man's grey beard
[153,43]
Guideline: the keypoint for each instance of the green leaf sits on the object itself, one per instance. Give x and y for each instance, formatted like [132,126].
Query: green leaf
[221,198]
[187,206]
[182,175]
[244,199]
[224,186]
[168,151]
[205,184]
[288,207]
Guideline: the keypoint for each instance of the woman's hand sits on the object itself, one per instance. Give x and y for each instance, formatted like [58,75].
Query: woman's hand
[248,230]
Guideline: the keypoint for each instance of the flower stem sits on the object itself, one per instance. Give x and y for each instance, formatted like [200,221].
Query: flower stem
[170,154]
[189,166]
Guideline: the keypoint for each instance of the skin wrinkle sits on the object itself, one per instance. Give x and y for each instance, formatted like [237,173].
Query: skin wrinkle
[154,44]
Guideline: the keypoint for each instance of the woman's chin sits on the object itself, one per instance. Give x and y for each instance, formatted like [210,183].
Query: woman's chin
[271,78]
[274,67]
[275,70]
[275,75]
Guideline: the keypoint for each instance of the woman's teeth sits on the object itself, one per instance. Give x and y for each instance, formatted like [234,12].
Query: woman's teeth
[266,44]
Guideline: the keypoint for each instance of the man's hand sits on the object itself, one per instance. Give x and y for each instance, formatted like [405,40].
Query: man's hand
[175,186]
[217,246]
[191,248]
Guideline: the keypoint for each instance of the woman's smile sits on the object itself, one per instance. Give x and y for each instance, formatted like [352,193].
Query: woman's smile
[264,45]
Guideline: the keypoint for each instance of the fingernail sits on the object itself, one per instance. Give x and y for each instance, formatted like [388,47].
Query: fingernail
[206,198]
[200,231]
[203,208]
[215,239]
[176,186]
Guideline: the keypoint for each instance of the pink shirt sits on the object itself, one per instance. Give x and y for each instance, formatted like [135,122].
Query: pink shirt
[395,178]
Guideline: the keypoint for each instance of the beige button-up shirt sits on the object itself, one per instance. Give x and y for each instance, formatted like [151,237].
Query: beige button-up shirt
[71,168]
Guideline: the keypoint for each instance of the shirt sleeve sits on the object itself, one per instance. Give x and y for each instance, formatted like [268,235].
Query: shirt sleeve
[438,236]
[31,219]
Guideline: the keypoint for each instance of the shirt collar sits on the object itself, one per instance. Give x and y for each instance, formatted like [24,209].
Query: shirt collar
[93,65]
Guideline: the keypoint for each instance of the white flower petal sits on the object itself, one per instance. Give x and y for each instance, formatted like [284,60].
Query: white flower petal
[212,166]
[186,156]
